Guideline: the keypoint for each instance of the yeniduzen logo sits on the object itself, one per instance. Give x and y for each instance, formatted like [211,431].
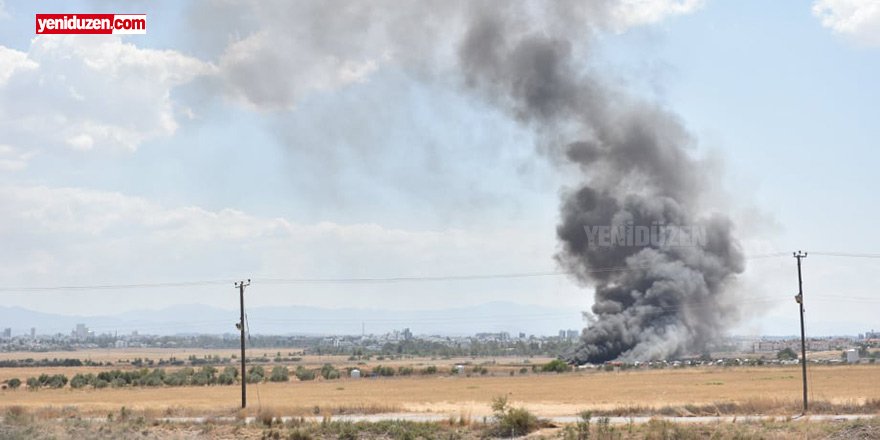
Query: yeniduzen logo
[91,24]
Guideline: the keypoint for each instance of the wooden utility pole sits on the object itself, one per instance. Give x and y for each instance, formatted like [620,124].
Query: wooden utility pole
[241,324]
[800,300]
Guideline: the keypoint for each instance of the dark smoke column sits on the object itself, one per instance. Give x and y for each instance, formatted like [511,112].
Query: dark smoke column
[661,298]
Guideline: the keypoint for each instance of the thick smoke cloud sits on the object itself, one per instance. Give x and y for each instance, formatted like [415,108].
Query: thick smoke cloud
[660,299]
[532,61]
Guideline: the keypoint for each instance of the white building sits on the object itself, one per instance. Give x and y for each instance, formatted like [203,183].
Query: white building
[852,356]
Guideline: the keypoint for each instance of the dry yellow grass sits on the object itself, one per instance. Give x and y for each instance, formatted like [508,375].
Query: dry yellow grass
[546,395]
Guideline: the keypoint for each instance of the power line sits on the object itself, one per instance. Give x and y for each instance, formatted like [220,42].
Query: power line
[116,286]
[345,280]
[846,254]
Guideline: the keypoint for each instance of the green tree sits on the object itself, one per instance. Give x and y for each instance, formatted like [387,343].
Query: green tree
[14,383]
[329,372]
[79,380]
[303,373]
[279,374]
[33,383]
[786,354]
[556,366]
[256,374]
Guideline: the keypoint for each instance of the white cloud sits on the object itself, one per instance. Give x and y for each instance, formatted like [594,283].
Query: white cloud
[631,13]
[12,61]
[81,236]
[11,159]
[855,19]
[90,93]
[273,69]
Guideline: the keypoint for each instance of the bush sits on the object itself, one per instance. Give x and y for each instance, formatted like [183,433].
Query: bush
[79,380]
[225,379]
[303,373]
[14,383]
[231,371]
[430,369]
[379,370]
[279,374]
[786,354]
[256,374]
[329,372]
[405,371]
[556,366]
[512,422]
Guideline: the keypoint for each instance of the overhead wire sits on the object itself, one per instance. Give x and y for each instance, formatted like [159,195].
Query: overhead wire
[337,280]
[370,280]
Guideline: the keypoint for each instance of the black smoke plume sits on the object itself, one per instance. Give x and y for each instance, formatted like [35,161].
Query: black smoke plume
[652,300]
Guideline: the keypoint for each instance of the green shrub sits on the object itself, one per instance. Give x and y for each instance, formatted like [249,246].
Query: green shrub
[379,370]
[79,380]
[556,366]
[229,370]
[279,374]
[256,374]
[14,383]
[513,422]
[303,373]
[329,372]
[225,379]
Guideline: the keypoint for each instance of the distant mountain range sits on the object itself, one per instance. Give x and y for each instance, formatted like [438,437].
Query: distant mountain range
[195,318]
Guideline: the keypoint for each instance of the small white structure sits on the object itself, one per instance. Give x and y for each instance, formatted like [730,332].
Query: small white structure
[852,356]
[355,374]
[459,369]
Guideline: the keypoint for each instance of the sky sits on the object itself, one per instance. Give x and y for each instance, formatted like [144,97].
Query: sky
[237,141]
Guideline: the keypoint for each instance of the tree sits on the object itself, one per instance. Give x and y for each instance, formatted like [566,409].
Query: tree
[256,374]
[79,380]
[14,383]
[279,374]
[556,366]
[786,354]
[303,373]
[33,383]
[329,372]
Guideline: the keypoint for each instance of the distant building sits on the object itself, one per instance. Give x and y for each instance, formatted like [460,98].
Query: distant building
[852,356]
[33,333]
[568,335]
[355,374]
[80,332]
[7,333]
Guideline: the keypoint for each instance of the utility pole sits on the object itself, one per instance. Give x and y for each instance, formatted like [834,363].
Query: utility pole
[800,300]
[241,285]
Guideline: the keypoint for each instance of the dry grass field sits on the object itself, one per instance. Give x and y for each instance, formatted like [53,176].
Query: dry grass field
[544,394]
